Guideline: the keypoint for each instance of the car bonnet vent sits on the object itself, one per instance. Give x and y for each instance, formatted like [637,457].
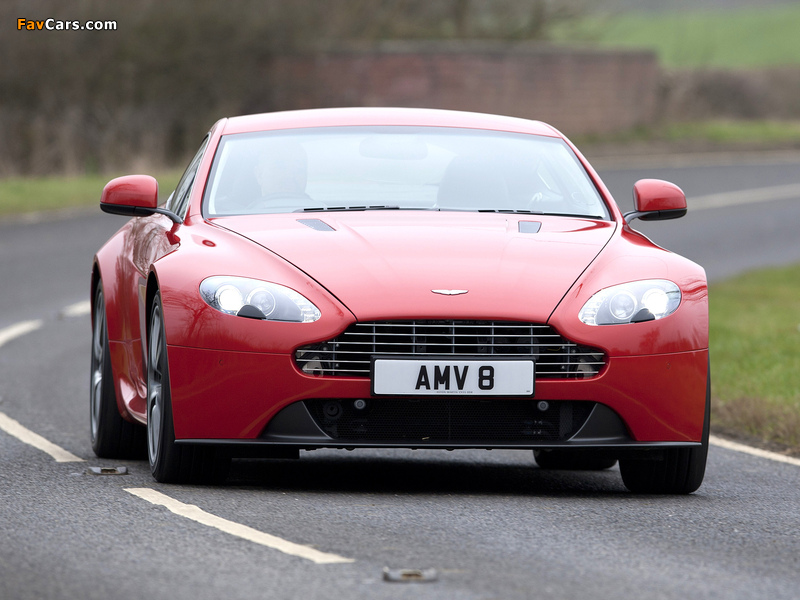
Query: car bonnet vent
[529,226]
[317,224]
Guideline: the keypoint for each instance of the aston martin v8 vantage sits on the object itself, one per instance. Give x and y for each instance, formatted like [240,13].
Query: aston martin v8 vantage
[383,278]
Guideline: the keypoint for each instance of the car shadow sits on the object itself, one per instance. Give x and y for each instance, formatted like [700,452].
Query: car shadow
[420,475]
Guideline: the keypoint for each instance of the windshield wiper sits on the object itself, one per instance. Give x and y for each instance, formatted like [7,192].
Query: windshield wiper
[512,211]
[537,212]
[525,212]
[346,208]
[316,209]
[577,216]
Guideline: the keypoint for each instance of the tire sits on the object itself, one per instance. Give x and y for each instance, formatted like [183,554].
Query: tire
[171,462]
[572,460]
[111,435]
[680,471]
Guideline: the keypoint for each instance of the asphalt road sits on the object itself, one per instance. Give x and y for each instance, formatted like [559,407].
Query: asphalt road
[490,523]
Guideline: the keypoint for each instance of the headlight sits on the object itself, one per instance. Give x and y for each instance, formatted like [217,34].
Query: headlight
[257,300]
[631,303]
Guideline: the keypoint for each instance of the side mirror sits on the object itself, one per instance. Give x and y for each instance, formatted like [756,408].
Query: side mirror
[656,200]
[133,196]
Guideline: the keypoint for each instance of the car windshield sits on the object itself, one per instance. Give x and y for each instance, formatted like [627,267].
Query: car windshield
[417,168]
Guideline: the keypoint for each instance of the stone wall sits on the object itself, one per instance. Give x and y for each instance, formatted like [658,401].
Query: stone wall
[578,91]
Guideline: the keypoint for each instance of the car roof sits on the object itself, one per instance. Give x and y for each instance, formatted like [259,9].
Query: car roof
[366,116]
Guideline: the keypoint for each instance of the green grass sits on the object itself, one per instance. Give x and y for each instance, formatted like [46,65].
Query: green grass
[732,38]
[735,132]
[726,134]
[755,354]
[21,195]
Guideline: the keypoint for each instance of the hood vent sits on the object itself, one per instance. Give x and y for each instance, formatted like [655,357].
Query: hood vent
[529,226]
[316,224]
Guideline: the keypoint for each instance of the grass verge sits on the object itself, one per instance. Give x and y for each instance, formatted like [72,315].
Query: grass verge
[755,355]
[724,134]
[21,194]
[732,38]
[734,132]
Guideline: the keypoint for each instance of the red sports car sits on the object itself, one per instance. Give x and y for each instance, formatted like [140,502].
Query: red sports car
[352,278]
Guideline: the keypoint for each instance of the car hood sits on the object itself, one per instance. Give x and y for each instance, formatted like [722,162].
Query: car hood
[387,264]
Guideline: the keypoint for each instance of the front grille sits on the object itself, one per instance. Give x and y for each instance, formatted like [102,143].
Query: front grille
[349,354]
[449,420]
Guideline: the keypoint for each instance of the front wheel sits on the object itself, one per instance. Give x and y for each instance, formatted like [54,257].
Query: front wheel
[171,462]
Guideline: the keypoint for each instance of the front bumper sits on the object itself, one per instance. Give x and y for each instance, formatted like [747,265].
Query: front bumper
[256,399]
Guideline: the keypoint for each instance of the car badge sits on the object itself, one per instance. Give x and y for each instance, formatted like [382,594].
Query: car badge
[450,292]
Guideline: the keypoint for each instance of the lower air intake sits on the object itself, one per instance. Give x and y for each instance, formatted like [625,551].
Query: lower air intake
[449,420]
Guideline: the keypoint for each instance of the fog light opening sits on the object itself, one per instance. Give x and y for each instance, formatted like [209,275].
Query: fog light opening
[332,410]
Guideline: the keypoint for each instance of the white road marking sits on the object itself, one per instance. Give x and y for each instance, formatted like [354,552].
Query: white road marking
[754,451]
[12,427]
[18,330]
[79,309]
[754,196]
[190,511]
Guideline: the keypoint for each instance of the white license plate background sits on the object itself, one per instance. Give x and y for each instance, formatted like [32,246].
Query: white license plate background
[452,377]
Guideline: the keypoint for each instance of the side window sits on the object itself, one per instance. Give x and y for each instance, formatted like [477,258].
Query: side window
[179,200]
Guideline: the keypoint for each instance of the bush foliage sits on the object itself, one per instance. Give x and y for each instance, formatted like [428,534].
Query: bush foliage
[89,101]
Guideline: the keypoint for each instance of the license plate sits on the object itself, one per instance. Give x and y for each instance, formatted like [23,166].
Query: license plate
[440,376]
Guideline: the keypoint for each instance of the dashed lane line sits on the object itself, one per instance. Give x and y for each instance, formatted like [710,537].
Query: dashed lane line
[79,309]
[190,511]
[13,428]
[18,330]
[728,445]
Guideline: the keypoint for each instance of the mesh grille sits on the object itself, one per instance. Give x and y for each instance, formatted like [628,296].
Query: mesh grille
[349,354]
[449,420]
